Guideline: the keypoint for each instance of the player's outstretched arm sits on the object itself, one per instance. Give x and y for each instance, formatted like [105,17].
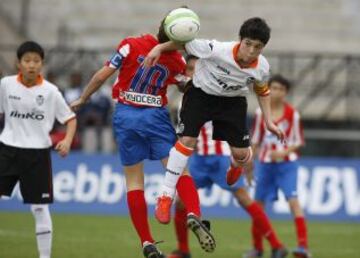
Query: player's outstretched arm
[154,54]
[95,83]
[264,103]
[63,147]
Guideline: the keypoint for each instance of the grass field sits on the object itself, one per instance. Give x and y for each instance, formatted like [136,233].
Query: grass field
[78,236]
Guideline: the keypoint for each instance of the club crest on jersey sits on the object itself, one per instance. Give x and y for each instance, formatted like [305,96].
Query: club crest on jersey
[40,99]
[250,80]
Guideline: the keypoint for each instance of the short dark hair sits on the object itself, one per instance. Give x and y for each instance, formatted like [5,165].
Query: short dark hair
[280,79]
[255,28]
[161,35]
[30,46]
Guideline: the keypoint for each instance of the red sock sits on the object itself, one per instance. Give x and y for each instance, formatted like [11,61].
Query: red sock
[256,237]
[138,212]
[301,232]
[261,221]
[188,194]
[181,229]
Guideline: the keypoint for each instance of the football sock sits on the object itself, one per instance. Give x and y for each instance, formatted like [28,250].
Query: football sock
[179,155]
[301,232]
[43,229]
[256,237]
[262,222]
[181,229]
[188,194]
[138,213]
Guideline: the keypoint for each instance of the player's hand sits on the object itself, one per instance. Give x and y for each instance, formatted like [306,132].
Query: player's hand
[152,57]
[276,130]
[63,148]
[77,104]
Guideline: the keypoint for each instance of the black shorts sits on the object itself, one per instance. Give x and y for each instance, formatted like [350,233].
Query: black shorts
[32,168]
[228,115]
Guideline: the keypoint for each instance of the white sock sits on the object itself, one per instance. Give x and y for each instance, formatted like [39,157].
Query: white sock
[175,167]
[43,229]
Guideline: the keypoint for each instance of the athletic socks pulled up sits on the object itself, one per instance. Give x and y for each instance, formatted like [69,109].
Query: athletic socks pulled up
[139,215]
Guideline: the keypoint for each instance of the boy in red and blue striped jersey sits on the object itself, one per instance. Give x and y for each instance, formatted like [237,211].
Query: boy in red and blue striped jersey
[278,162]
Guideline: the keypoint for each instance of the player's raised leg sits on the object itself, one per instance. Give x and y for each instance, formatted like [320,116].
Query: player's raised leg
[188,194]
[178,158]
[180,218]
[241,160]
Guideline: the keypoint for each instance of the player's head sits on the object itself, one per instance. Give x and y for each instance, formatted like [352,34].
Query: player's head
[256,29]
[190,65]
[30,59]
[254,35]
[279,87]
[30,47]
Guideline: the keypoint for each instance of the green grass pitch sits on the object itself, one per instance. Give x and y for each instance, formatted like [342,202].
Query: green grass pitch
[80,236]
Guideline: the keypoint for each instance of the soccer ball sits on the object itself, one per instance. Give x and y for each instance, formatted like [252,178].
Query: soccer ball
[182,25]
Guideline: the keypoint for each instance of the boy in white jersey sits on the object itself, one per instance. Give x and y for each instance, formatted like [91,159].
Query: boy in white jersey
[30,105]
[223,75]
[208,166]
[277,169]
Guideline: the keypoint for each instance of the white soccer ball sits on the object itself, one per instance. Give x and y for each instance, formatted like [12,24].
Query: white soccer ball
[182,25]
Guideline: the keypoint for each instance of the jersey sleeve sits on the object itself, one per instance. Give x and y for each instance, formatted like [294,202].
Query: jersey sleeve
[200,48]
[63,113]
[118,58]
[2,96]
[261,86]
[257,129]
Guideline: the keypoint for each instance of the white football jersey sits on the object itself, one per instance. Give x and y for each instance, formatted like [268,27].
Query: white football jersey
[30,112]
[217,72]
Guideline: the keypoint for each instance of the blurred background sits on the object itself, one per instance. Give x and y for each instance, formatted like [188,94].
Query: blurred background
[314,43]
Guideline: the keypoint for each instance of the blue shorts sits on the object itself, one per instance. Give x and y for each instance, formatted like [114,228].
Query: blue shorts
[209,170]
[274,176]
[142,133]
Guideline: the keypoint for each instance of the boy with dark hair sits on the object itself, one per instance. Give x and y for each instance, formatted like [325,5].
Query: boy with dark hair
[142,125]
[30,105]
[223,75]
[208,166]
[278,163]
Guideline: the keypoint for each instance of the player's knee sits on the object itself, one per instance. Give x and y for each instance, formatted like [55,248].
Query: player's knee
[243,156]
[188,142]
[243,197]
[295,207]
[42,217]
[186,173]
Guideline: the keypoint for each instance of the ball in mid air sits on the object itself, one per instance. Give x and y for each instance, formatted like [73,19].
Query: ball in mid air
[182,25]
